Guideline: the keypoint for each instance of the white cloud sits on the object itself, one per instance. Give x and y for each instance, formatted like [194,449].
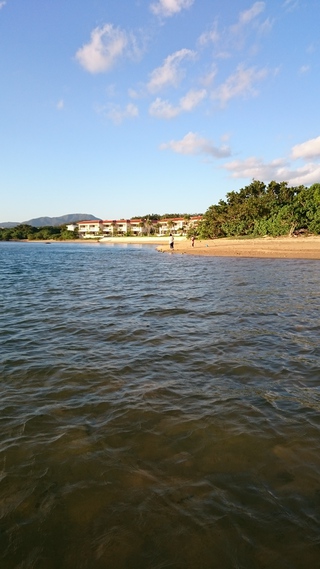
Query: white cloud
[253,167]
[311,48]
[106,46]
[118,114]
[249,15]
[192,99]
[2,4]
[167,8]
[194,144]
[210,76]
[211,36]
[164,110]
[281,169]
[306,175]
[60,105]
[266,26]
[307,150]
[170,73]
[304,69]
[239,84]
[247,20]
[290,4]
[227,42]
[133,93]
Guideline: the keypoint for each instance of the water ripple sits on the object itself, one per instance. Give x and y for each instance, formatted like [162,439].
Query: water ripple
[157,411]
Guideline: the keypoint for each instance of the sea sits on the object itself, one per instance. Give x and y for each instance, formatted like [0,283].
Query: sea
[157,410]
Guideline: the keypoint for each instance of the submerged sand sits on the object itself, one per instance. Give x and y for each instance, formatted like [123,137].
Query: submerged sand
[265,247]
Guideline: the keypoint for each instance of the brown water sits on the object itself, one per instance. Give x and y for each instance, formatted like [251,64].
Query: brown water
[157,411]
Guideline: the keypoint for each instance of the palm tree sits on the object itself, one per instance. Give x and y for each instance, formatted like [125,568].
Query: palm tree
[170,225]
[142,226]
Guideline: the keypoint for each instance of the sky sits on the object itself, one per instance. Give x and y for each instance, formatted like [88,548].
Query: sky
[121,108]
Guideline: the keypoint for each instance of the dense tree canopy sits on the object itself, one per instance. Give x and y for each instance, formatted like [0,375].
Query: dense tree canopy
[29,232]
[258,210]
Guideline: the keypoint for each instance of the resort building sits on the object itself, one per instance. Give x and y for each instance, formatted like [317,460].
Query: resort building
[71,226]
[89,229]
[118,227]
[110,228]
[178,225]
[124,227]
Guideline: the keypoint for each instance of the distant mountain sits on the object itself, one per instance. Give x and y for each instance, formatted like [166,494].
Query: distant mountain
[52,221]
[8,224]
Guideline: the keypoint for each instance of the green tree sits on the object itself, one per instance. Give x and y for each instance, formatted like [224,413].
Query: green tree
[257,209]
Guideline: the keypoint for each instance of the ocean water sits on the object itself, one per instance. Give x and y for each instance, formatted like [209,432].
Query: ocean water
[157,411]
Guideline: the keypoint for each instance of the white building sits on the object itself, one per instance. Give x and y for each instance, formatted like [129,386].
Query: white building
[89,229]
[113,227]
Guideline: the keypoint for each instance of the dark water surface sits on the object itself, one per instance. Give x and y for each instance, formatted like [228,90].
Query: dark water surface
[157,410]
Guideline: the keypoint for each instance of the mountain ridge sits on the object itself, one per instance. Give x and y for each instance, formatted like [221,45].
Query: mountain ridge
[51,221]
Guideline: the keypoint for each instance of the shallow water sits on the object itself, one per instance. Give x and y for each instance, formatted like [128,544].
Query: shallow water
[157,410]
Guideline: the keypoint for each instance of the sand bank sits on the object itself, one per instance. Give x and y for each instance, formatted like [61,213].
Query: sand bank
[265,247]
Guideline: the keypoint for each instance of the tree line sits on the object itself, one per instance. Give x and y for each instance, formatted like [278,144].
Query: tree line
[258,209]
[25,231]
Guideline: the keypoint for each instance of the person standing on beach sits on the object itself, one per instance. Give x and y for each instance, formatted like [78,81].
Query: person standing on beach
[192,241]
[171,241]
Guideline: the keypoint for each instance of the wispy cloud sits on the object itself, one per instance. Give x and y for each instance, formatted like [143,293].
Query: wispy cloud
[228,41]
[165,110]
[282,168]
[209,77]
[192,99]
[211,35]
[106,46]
[304,69]
[60,105]
[170,73]
[118,114]
[2,4]
[248,21]
[248,15]
[192,143]
[290,4]
[311,48]
[242,83]
[265,27]
[168,8]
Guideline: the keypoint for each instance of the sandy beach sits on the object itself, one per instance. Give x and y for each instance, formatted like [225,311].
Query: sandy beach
[265,247]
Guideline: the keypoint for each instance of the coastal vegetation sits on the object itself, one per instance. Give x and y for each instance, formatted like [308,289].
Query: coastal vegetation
[25,231]
[258,209]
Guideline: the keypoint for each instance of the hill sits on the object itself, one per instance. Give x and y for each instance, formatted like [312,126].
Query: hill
[51,221]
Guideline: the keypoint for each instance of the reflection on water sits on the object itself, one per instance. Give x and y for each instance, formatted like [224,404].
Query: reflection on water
[157,411]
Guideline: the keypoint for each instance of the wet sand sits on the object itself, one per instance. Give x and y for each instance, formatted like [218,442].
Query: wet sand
[265,247]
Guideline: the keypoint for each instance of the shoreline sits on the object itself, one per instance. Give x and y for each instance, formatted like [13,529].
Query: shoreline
[300,247]
[142,240]
[262,247]
[105,241]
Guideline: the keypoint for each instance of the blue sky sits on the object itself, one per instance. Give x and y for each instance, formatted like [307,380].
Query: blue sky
[126,107]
